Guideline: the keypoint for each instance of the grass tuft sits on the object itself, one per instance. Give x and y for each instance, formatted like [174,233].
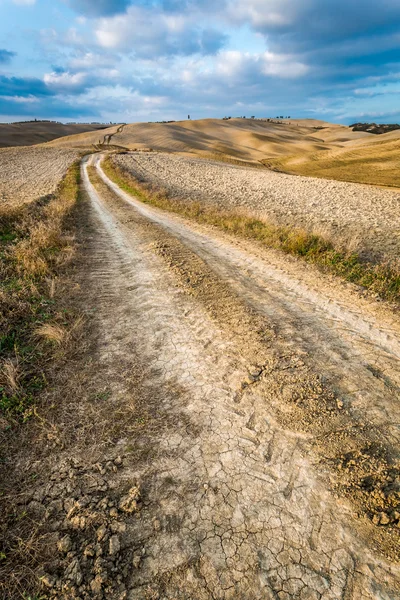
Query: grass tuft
[53,333]
[381,279]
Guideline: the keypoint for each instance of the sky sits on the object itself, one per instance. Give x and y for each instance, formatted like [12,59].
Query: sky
[153,60]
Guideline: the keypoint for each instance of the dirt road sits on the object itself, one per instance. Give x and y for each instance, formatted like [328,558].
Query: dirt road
[275,472]
[265,484]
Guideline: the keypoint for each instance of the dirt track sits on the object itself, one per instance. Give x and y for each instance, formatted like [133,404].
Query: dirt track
[360,217]
[255,486]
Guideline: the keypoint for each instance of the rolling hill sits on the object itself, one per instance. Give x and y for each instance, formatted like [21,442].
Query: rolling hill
[302,147]
[38,132]
[373,161]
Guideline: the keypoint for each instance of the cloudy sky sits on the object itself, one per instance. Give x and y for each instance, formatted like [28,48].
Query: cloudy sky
[147,60]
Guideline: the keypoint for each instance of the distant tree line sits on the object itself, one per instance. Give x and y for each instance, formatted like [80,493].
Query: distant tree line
[374,128]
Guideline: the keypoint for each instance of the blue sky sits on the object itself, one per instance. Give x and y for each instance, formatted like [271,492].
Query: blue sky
[147,60]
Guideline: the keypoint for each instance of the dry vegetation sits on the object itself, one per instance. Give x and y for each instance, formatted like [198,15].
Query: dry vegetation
[380,278]
[35,246]
[373,162]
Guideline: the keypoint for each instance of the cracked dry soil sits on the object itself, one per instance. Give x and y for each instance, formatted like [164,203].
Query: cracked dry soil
[264,465]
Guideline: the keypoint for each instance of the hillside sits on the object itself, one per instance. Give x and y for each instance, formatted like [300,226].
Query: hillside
[303,147]
[38,132]
[369,161]
[242,139]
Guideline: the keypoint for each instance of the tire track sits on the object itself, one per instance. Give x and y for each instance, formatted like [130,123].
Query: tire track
[235,508]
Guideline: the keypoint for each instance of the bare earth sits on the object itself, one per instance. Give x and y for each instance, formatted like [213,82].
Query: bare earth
[245,445]
[29,173]
[27,134]
[361,217]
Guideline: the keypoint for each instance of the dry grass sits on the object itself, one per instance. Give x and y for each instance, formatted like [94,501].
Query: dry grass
[382,279]
[38,332]
[53,333]
[375,163]
[35,246]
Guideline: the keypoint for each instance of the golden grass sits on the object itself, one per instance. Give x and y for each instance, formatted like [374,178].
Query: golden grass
[51,332]
[377,163]
[35,246]
[379,278]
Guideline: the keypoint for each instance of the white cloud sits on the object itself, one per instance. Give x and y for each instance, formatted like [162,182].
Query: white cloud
[91,60]
[282,65]
[154,33]
[233,64]
[263,14]
[22,99]
[65,80]
[139,27]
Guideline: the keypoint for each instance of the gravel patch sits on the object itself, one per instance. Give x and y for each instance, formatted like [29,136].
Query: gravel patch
[360,217]
[28,173]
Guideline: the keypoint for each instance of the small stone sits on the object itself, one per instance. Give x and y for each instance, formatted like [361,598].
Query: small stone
[113,513]
[89,551]
[376,519]
[118,461]
[156,525]
[115,545]
[48,580]
[100,565]
[103,504]
[136,562]
[101,533]
[339,404]
[65,544]
[73,572]
[385,520]
[129,502]
[76,522]
[96,585]
[118,527]
[248,380]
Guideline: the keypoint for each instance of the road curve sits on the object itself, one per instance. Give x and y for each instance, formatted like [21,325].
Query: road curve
[275,375]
